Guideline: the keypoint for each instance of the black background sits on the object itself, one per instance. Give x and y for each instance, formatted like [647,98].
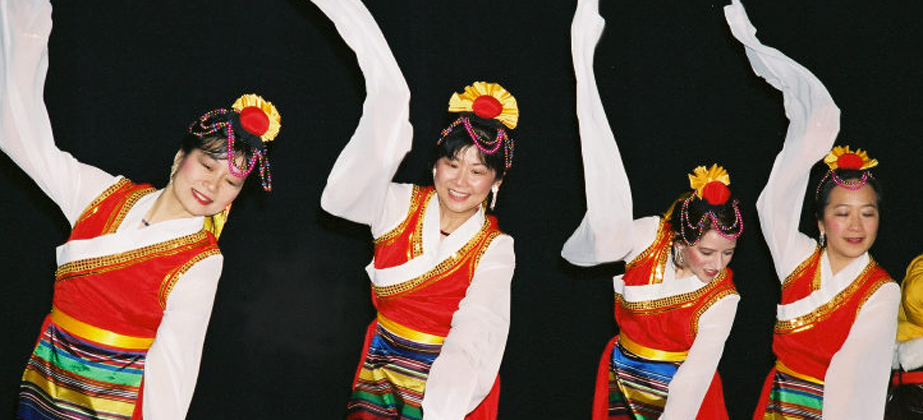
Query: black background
[126,78]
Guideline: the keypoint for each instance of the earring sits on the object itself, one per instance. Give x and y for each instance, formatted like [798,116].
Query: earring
[173,168]
[678,257]
[493,200]
[434,173]
[822,240]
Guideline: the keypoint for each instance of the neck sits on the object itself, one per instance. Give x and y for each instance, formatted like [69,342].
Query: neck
[837,263]
[449,221]
[166,207]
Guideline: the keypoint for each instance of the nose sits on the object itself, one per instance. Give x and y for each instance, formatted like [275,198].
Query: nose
[854,222]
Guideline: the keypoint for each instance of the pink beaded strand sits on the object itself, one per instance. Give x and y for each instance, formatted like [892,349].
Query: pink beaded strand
[699,227]
[486,146]
[842,182]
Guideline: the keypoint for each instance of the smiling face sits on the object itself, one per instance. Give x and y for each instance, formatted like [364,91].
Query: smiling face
[202,185]
[707,258]
[462,183]
[850,223]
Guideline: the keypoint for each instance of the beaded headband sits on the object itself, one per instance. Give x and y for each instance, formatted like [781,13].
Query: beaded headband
[710,185]
[487,101]
[252,120]
[842,158]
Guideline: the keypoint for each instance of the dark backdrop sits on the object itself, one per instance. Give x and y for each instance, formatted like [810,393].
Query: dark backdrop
[126,78]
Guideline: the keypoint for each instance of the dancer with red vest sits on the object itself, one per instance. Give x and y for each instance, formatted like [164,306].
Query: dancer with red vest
[835,325]
[442,268]
[676,302]
[137,276]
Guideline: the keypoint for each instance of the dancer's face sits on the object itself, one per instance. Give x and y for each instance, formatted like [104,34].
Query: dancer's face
[850,223]
[708,257]
[203,185]
[462,182]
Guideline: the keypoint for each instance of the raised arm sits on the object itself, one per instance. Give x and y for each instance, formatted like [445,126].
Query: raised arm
[814,121]
[25,130]
[357,188]
[605,233]
[172,365]
[465,370]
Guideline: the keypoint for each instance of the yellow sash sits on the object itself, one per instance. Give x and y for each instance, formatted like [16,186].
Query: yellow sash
[406,332]
[99,335]
[649,353]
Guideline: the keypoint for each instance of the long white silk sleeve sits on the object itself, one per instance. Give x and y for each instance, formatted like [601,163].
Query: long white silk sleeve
[691,381]
[465,370]
[25,130]
[172,363]
[358,185]
[604,234]
[814,121]
[856,382]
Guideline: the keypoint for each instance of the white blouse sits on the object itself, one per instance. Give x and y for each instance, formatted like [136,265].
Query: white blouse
[608,231]
[856,380]
[172,363]
[359,188]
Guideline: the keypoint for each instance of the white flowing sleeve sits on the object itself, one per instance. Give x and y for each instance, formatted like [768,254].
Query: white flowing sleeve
[358,186]
[604,234]
[466,368]
[856,381]
[172,364]
[691,381]
[814,121]
[25,130]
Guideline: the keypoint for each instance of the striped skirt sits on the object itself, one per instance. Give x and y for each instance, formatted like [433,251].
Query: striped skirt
[630,387]
[392,378]
[74,379]
[786,397]
[637,387]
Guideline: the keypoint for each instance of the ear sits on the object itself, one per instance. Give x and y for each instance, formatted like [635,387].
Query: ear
[177,160]
[820,226]
[496,186]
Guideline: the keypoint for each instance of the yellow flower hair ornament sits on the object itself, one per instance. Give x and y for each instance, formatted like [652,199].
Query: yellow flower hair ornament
[711,186]
[488,101]
[840,157]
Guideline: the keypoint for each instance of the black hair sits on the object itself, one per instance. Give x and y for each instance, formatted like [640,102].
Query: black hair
[724,213]
[822,197]
[458,140]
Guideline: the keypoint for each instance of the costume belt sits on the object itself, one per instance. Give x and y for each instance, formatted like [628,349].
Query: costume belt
[649,353]
[96,334]
[407,332]
[780,367]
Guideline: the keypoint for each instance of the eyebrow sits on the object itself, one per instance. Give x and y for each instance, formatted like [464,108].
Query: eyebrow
[872,205]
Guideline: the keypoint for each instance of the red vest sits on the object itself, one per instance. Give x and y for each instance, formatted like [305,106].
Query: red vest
[124,293]
[426,303]
[806,344]
[670,323]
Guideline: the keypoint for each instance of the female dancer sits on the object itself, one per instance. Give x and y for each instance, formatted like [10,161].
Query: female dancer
[835,325]
[136,279]
[442,269]
[905,398]
[676,302]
